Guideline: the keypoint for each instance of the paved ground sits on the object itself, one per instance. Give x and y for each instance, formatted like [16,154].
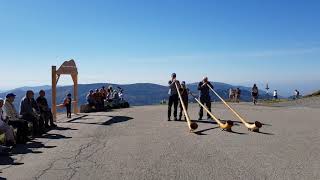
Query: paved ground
[138,143]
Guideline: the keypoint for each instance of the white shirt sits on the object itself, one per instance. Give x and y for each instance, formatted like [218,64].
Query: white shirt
[275,93]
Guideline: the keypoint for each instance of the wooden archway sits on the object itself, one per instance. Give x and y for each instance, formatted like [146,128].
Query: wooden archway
[67,68]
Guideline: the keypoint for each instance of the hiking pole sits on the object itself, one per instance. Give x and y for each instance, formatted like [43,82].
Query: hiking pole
[226,126]
[251,127]
[192,125]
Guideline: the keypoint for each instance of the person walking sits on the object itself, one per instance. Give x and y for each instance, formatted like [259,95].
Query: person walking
[255,94]
[275,94]
[173,96]
[205,98]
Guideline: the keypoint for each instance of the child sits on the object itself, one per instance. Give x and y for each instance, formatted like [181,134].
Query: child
[67,103]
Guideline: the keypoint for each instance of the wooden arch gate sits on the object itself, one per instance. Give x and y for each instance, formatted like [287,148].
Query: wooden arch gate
[67,68]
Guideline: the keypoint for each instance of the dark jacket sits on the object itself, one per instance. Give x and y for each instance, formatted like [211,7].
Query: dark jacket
[184,94]
[42,104]
[27,105]
[204,91]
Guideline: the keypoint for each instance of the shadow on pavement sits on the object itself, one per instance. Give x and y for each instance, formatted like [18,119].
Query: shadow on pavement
[265,133]
[7,160]
[23,149]
[201,133]
[54,136]
[64,129]
[263,124]
[113,120]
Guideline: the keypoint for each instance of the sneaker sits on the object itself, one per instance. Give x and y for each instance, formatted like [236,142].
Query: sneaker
[175,119]
[200,118]
[169,119]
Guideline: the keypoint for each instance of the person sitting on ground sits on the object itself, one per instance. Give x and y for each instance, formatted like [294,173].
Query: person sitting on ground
[121,95]
[110,94]
[45,111]
[173,97]
[184,91]
[103,91]
[103,97]
[67,102]
[97,98]
[5,127]
[255,94]
[13,119]
[91,100]
[238,94]
[30,112]
[205,98]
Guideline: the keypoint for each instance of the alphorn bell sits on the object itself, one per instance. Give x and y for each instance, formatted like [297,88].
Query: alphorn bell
[192,125]
[227,126]
[251,127]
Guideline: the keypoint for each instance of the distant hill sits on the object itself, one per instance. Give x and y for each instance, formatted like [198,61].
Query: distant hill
[317,93]
[137,94]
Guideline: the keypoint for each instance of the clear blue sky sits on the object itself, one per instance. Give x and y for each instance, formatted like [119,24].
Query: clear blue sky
[232,41]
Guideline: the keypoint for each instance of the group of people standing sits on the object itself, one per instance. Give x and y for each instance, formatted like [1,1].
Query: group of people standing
[33,111]
[234,95]
[174,86]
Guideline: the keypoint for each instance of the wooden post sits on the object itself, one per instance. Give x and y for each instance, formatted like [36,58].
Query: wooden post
[54,92]
[75,93]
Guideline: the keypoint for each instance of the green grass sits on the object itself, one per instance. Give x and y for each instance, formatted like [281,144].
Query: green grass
[272,101]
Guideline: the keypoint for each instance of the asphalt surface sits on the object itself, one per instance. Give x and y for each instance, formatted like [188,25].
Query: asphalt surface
[139,143]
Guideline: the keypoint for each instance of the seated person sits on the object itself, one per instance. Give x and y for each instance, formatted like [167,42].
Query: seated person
[14,120]
[98,99]
[5,127]
[29,111]
[90,99]
[45,111]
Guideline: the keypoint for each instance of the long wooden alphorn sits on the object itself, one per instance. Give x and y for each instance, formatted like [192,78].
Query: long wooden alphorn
[226,126]
[192,125]
[251,127]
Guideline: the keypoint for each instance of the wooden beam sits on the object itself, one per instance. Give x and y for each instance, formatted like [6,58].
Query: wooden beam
[54,92]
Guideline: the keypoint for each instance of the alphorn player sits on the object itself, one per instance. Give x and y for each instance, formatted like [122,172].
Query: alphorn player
[205,96]
[173,97]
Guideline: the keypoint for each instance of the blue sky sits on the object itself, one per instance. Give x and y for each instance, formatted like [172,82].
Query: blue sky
[232,41]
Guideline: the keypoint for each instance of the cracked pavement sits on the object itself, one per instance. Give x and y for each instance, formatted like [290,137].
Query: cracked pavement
[138,143]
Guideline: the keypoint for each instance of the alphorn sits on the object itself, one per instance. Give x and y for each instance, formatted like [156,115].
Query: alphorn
[192,125]
[226,126]
[251,127]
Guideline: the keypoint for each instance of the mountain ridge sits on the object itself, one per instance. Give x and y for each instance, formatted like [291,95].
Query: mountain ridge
[136,94]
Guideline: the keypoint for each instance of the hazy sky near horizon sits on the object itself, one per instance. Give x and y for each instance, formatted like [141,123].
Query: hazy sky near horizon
[124,41]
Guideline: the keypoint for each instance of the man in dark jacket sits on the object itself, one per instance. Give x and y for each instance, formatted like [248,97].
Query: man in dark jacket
[29,111]
[205,96]
[184,91]
[173,97]
[45,111]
